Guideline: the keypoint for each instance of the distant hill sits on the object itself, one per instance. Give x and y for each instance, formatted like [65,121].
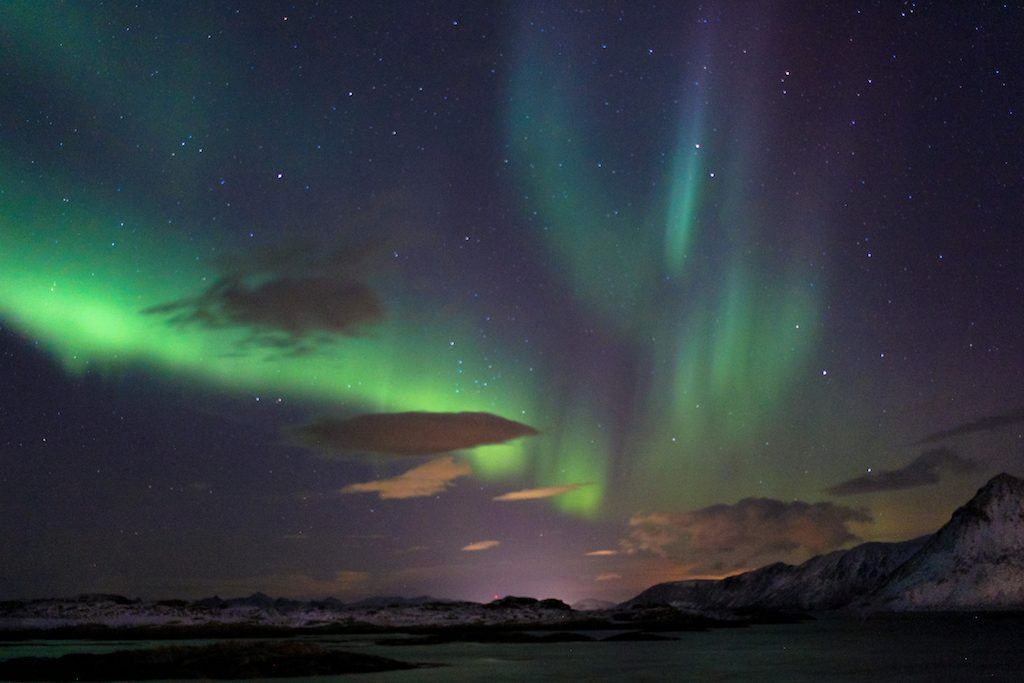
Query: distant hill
[592,605]
[259,611]
[975,561]
[382,601]
[821,583]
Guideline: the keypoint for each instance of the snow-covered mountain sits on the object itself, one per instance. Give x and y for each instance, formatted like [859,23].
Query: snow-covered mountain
[975,561]
[821,583]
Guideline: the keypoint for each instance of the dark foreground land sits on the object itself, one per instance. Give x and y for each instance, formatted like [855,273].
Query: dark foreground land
[242,651]
[225,660]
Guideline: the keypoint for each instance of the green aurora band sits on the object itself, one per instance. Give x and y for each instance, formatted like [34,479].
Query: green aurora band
[719,329]
[78,282]
[77,270]
[734,327]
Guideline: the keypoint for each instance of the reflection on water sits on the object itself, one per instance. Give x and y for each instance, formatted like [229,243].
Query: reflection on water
[960,647]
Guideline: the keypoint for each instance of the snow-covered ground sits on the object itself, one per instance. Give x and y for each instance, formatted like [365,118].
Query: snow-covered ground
[118,612]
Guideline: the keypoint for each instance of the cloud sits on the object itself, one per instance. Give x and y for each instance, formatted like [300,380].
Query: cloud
[755,531]
[481,545]
[408,433]
[427,479]
[608,576]
[985,424]
[923,470]
[534,494]
[601,553]
[287,298]
[281,310]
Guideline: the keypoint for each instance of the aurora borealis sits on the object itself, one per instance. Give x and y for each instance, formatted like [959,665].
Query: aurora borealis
[318,296]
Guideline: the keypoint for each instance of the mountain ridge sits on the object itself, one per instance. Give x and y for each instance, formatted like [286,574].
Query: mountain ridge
[974,561]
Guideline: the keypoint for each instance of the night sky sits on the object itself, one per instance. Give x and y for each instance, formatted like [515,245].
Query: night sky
[475,299]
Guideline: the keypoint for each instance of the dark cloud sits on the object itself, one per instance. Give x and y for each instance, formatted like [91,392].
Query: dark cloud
[923,470]
[287,298]
[413,433]
[985,424]
[721,539]
[294,307]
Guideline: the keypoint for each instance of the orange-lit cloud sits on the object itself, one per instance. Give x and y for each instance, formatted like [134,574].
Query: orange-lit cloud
[534,494]
[601,553]
[481,545]
[427,479]
[608,576]
[724,538]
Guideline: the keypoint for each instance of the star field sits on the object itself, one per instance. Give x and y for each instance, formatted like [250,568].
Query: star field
[310,298]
